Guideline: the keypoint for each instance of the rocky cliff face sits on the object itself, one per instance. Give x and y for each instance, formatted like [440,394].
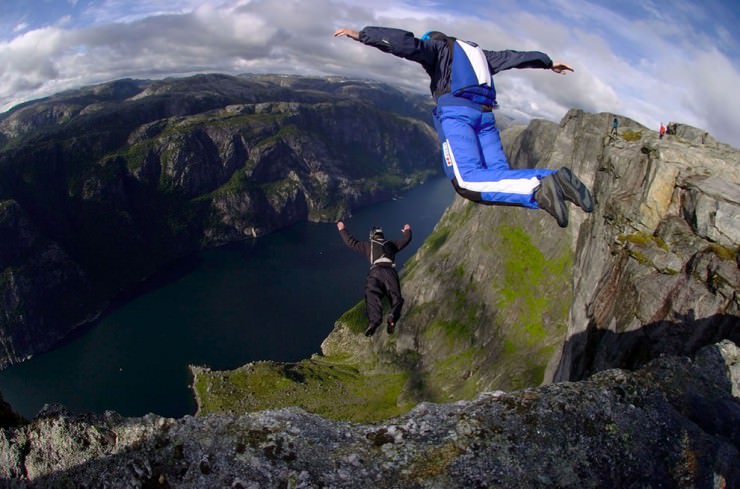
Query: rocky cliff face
[501,298]
[100,187]
[673,423]
[657,265]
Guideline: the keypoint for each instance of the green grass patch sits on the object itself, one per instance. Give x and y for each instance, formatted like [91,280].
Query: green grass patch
[723,252]
[319,385]
[524,366]
[435,240]
[452,374]
[355,318]
[528,278]
[632,136]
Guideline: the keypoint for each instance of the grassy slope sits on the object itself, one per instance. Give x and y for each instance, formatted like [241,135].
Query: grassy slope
[484,334]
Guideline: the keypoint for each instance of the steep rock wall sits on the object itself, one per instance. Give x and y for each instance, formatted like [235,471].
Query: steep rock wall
[656,270]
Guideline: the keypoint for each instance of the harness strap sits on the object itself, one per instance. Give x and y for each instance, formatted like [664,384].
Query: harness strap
[382,258]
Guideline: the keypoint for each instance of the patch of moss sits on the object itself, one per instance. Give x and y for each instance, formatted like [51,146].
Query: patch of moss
[524,367]
[136,154]
[528,278]
[432,463]
[643,239]
[436,239]
[282,133]
[454,374]
[280,187]
[237,184]
[391,181]
[632,136]
[641,258]
[355,318]
[723,252]
[452,329]
[320,385]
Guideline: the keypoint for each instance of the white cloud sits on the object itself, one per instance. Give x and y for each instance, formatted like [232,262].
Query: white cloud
[22,26]
[657,67]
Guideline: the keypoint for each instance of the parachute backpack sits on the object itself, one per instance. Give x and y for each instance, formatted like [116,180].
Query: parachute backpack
[471,77]
[381,249]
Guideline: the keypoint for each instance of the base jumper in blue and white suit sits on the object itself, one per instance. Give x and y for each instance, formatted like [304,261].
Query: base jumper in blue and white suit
[462,85]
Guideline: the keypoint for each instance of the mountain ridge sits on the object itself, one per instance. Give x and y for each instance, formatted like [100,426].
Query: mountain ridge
[102,186]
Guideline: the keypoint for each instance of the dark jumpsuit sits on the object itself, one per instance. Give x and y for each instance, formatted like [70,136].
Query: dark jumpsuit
[382,279]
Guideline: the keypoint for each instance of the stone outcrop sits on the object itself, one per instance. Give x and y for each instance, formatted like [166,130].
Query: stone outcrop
[43,291]
[673,423]
[102,186]
[657,264]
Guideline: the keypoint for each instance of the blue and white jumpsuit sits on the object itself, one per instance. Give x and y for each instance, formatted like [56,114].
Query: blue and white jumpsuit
[462,84]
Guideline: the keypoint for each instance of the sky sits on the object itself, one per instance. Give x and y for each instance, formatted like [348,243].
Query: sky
[650,61]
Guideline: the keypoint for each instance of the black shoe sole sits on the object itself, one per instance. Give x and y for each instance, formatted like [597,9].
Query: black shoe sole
[550,198]
[370,331]
[574,190]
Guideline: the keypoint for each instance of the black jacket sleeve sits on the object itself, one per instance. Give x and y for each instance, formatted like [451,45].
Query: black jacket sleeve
[505,60]
[433,55]
[355,244]
[402,44]
[403,242]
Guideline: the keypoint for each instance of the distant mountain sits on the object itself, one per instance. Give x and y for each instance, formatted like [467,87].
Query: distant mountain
[101,186]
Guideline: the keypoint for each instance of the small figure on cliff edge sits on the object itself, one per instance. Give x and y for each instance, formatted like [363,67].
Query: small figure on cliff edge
[661,130]
[462,85]
[615,127]
[382,279]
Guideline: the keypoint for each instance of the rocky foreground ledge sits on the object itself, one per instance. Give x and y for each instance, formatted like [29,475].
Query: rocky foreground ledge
[673,423]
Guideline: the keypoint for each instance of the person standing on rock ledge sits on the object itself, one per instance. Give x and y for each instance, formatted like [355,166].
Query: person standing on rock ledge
[462,85]
[382,279]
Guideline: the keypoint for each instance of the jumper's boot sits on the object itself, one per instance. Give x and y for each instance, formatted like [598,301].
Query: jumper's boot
[371,330]
[574,190]
[549,197]
[390,325]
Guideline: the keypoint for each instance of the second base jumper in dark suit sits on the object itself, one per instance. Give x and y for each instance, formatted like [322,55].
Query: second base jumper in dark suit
[382,279]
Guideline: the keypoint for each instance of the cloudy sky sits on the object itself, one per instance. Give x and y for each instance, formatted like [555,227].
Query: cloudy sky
[651,61]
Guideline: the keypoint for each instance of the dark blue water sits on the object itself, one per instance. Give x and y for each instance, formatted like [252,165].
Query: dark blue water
[273,298]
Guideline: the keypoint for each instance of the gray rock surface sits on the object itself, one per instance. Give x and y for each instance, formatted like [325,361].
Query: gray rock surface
[656,265]
[673,423]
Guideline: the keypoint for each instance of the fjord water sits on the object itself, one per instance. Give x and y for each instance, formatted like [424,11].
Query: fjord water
[272,298]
